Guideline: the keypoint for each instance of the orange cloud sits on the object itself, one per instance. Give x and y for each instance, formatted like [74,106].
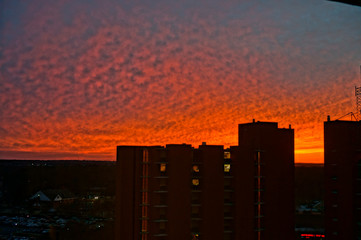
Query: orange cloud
[77,79]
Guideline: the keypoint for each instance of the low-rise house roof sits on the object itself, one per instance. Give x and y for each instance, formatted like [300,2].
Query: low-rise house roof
[53,195]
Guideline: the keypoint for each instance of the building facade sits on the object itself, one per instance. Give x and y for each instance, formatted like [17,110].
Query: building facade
[179,192]
[263,166]
[170,193]
[342,141]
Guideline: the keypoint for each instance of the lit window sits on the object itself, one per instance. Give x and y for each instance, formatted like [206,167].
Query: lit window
[195,236]
[227,167]
[163,167]
[195,168]
[195,182]
[227,155]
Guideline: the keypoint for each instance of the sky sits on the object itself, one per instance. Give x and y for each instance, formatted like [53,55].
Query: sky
[79,77]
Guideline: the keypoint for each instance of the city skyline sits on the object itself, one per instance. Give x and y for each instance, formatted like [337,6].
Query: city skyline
[78,78]
[179,192]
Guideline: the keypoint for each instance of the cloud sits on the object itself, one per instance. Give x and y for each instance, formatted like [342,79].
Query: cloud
[84,77]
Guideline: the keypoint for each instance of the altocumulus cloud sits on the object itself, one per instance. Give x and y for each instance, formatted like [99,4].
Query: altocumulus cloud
[79,77]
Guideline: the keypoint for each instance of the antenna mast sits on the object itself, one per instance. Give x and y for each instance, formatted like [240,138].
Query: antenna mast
[358,99]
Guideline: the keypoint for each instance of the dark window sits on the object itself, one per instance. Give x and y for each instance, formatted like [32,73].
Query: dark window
[196,197]
[195,211]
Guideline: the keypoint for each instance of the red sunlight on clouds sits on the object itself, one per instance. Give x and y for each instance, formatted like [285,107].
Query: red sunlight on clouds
[77,78]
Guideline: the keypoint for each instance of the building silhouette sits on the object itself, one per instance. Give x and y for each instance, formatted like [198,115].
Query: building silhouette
[179,192]
[263,166]
[342,140]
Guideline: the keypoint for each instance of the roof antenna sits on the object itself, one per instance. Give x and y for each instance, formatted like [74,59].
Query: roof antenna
[358,99]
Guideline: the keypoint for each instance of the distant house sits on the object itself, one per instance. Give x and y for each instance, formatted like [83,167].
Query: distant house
[314,207]
[55,196]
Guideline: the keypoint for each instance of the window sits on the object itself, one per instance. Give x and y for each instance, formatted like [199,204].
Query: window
[196,197]
[228,236]
[195,182]
[162,184]
[195,211]
[228,196]
[227,209]
[162,212]
[195,236]
[163,167]
[195,168]
[227,155]
[228,183]
[162,199]
[227,167]
[228,225]
[162,226]
[195,226]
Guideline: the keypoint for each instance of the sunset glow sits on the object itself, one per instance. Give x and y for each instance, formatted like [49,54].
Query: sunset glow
[78,78]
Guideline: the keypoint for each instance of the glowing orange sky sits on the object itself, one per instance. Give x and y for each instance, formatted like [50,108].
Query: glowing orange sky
[78,78]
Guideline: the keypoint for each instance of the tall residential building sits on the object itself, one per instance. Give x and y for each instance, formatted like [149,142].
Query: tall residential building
[342,141]
[263,170]
[170,193]
[178,192]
